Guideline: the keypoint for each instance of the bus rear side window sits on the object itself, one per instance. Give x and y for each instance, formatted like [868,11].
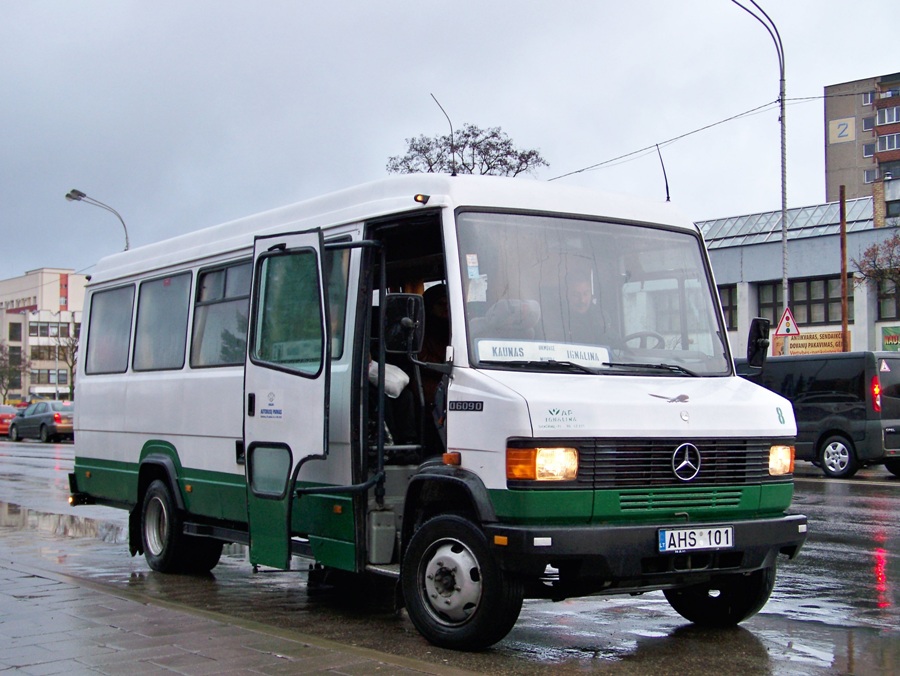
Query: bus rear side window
[109,333]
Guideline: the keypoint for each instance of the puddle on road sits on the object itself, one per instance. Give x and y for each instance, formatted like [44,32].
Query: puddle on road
[16,517]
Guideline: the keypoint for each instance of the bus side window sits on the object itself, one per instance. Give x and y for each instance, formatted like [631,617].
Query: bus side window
[221,316]
[161,328]
[337,272]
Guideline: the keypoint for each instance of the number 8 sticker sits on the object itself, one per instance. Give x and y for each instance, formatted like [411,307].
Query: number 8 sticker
[780,415]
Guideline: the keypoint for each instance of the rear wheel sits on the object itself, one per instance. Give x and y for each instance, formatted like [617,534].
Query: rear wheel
[893,466]
[838,458]
[725,600]
[202,554]
[166,547]
[456,594]
[45,434]
[161,529]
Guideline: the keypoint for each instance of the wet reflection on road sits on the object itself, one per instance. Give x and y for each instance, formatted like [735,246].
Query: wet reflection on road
[834,608]
[64,525]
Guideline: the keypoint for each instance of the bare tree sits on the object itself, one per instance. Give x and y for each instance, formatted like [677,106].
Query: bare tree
[67,351]
[471,150]
[880,262]
[12,370]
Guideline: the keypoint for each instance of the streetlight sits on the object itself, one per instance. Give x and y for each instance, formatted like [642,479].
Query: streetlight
[78,196]
[772,30]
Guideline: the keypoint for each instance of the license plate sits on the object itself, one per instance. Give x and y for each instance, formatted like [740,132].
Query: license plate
[692,539]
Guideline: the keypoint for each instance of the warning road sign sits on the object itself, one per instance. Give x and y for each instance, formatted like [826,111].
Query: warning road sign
[786,325]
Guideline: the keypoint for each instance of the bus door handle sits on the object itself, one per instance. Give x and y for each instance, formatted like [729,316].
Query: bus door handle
[251,404]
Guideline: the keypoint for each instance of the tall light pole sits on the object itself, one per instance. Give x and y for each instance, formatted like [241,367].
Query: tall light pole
[772,30]
[78,196]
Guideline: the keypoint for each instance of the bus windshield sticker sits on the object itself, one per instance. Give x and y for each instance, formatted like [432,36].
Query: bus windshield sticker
[517,350]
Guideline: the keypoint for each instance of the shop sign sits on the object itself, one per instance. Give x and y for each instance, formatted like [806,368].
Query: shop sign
[816,342]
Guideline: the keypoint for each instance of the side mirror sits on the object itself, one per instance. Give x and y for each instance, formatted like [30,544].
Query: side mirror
[404,323]
[758,342]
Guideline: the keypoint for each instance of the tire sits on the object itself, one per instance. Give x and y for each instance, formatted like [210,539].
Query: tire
[45,435]
[14,433]
[201,554]
[453,610]
[838,458]
[893,466]
[161,527]
[724,601]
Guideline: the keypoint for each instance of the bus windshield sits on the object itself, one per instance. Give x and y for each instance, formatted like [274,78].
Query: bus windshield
[586,296]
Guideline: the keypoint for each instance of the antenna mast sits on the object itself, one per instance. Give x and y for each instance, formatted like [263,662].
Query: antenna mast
[452,144]
[665,178]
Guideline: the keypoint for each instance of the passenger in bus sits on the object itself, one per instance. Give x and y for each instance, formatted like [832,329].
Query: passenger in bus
[435,340]
[399,406]
[582,318]
[434,351]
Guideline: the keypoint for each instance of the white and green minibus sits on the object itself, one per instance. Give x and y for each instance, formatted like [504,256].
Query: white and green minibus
[563,420]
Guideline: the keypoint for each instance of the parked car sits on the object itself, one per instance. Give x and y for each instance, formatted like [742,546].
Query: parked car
[847,406]
[7,413]
[44,420]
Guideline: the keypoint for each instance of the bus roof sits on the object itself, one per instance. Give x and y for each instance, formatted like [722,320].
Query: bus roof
[380,198]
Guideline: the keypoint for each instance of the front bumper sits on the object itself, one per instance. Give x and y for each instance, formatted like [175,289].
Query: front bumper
[594,559]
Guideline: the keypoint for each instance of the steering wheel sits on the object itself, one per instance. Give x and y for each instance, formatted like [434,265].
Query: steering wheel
[644,336]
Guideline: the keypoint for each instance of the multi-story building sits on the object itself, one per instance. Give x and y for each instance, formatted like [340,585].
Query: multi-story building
[745,252]
[40,320]
[862,154]
[862,137]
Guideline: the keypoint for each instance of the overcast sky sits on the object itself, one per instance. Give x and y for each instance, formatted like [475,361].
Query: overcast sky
[183,114]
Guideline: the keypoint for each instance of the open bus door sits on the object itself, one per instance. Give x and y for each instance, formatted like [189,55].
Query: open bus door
[285,385]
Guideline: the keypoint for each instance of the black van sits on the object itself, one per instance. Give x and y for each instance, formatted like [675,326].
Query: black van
[847,406]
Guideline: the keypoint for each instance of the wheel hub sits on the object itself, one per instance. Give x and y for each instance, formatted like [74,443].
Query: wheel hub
[156,525]
[836,457]
[452,582]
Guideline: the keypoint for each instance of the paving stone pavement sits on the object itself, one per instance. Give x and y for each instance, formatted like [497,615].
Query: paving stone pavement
[56,624]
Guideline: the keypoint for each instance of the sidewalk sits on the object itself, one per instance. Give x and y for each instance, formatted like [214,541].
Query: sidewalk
[53,624]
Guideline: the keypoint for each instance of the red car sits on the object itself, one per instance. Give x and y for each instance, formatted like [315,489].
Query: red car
[7,413]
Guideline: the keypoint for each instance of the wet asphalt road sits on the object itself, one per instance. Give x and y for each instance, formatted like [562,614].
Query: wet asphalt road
[834,609]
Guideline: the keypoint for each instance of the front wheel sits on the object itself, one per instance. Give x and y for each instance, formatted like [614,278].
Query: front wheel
[838,458]
[893,466]
[725,600]
[14,433]
[456,594]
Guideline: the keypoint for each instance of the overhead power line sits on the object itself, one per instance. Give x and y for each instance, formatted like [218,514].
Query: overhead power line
[653,146]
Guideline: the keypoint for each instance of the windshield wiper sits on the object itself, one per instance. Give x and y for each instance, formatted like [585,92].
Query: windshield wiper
[671,368]
[546,364]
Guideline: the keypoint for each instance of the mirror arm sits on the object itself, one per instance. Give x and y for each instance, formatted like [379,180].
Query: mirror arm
[445,368]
